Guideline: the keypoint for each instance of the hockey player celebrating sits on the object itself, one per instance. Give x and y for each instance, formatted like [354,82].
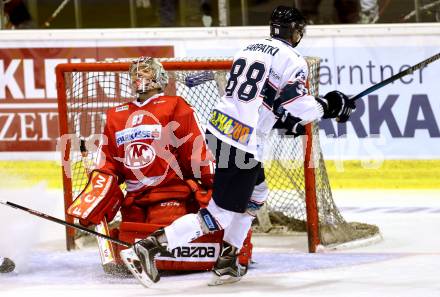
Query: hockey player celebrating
[155,146]
[266,86]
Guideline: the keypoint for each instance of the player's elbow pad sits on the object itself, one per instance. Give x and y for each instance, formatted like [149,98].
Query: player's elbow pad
[101,198]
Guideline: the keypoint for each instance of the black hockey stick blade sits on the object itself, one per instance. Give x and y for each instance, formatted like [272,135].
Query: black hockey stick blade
[56,220]
[396,76]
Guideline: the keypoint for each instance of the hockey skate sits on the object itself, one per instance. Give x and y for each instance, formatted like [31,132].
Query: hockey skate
[139,259]
[227,269]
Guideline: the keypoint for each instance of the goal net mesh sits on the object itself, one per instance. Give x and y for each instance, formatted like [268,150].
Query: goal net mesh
[90,94]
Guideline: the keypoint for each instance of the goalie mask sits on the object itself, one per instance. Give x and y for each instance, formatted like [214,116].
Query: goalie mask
[148,74]
[285,21]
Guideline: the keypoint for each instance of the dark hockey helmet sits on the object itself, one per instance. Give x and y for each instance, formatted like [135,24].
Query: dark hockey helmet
[285,21]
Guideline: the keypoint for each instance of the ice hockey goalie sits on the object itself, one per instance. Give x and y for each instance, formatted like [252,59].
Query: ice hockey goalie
[155,146]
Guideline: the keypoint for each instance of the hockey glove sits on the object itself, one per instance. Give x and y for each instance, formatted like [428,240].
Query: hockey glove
[337,105]
[292,124]
[201,194]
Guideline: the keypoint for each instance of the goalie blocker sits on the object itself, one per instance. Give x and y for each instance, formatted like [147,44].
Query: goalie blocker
[144,213]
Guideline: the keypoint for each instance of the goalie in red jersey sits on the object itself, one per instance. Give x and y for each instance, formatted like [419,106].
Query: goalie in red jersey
[156,147]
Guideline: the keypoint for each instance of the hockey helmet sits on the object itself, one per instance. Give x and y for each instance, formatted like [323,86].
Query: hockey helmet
[285,21]
[146,74]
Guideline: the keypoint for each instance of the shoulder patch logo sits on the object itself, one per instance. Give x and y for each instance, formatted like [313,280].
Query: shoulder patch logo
[301,74]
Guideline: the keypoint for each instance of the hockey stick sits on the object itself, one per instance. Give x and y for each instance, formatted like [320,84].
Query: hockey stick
[56,220]
[55,13]
[424,7]
[396,76]
[393,78]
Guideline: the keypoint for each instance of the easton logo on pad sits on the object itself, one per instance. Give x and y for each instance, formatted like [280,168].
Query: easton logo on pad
[230,127]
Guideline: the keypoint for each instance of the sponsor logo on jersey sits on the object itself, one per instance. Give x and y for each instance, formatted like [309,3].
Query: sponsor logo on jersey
[264,48]
[138,133]
[273,74]
[230,127]
[194,252]
[121,108]
[139,155]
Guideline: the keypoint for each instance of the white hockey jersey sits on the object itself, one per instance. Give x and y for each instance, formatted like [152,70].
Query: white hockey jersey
[265,75]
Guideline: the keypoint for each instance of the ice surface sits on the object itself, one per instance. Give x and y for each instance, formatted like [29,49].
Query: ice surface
[405,263]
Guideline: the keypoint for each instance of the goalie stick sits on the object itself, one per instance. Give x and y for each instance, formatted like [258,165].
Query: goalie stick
[56,220]
[106,251]
[129,257]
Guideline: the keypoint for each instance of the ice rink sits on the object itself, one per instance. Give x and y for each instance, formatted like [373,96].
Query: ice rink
[405,263]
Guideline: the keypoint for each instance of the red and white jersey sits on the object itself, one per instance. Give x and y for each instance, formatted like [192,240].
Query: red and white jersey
[154,143]
[262,71]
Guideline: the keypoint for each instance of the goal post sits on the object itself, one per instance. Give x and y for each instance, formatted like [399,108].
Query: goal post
[300,198]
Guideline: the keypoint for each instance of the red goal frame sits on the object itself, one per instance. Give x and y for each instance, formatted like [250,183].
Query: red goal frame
[312,224]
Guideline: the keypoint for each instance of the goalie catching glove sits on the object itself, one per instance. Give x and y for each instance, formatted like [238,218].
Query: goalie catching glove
[337,105]
[101,198]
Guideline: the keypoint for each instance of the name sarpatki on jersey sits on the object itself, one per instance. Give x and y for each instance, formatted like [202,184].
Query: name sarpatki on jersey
[230,127]
[138,133]
[264,48]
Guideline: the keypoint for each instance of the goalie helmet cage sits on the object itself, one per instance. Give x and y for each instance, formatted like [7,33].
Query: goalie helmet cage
[300,198]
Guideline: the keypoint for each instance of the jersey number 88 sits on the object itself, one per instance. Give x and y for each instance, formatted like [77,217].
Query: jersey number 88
[248,89]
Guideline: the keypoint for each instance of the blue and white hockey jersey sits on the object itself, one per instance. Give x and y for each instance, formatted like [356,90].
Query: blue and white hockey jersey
[265,75]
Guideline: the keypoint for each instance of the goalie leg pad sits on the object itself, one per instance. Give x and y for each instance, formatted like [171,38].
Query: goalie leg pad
[199,255]
[245,255]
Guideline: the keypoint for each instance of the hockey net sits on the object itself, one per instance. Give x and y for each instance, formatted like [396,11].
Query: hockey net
[300,198]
